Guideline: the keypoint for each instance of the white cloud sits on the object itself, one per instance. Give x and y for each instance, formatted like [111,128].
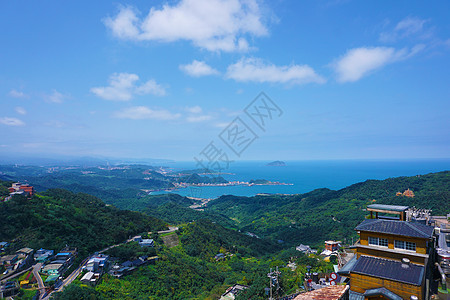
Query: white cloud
[20,110]
[55,97]
[198,68]
[215,25]
[198,118]
[410,26]
[358,62]
[194,109]
[17,94]
[11,121]
[122,87]
[151,87]
[252,69]
[143,112]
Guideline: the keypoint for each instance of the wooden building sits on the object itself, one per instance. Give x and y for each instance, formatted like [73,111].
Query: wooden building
[392,260]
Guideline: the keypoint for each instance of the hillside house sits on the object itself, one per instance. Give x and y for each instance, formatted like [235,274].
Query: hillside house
[98,264]
[42,255]
[146,243]
[8,261]
[392,259]
[53,269]
[305,249]
[331,247]
[21,189]
[233,291]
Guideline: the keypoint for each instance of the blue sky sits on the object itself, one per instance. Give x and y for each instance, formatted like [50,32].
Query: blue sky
[164,79]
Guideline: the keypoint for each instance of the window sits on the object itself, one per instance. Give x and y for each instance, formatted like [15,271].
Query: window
[378,241]
[383,242]
[410,246]
[405,245]
[399,244]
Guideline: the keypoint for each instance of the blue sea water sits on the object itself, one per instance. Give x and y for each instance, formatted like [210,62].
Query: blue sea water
[306,176]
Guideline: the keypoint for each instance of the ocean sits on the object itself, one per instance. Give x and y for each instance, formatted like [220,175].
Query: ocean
[306,176]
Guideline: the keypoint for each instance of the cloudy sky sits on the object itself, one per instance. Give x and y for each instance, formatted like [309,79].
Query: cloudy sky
[165,79]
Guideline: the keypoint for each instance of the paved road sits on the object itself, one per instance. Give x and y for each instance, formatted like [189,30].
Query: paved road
[14,275]
[36,269]
[77,272]
[70,278]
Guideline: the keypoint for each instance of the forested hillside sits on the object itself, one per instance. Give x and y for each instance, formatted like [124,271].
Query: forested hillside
[58,217]
[327,214]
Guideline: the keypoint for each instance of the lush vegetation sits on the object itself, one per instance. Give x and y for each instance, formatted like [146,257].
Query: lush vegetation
[326,214]
[130,251]
[58,217]
[190,270]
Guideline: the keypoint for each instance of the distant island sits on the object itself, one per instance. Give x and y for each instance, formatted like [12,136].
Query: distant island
[277,163]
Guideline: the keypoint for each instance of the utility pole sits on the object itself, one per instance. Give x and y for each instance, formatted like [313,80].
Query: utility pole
[273,276]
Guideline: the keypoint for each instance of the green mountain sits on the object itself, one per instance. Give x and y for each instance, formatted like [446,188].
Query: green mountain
[326,214]
[58,217]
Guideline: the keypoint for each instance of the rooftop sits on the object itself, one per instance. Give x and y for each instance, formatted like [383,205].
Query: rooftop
[382,292]
[26,250]
[397,228]
[331,292]
[398,208]
[389,269]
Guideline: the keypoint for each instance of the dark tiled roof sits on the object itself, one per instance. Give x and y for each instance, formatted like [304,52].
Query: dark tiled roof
[389,269]
[348,267]
[384,292]
[397,227]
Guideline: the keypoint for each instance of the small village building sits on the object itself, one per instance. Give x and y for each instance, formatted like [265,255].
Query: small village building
[52,278]
[21,189]
[332,245]
[233,291]
[303,248]
[8,261]
[42,255]
[98,264]
[89,278]
[52,268]
[25,252]
[147,243]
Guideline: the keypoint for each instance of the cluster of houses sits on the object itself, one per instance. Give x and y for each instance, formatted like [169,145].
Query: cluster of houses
[55,265]
[100,264]
[95,267]
[18,188]
[20,260]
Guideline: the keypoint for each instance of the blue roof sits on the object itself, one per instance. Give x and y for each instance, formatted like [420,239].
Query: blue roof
[397,228]
[389,269]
